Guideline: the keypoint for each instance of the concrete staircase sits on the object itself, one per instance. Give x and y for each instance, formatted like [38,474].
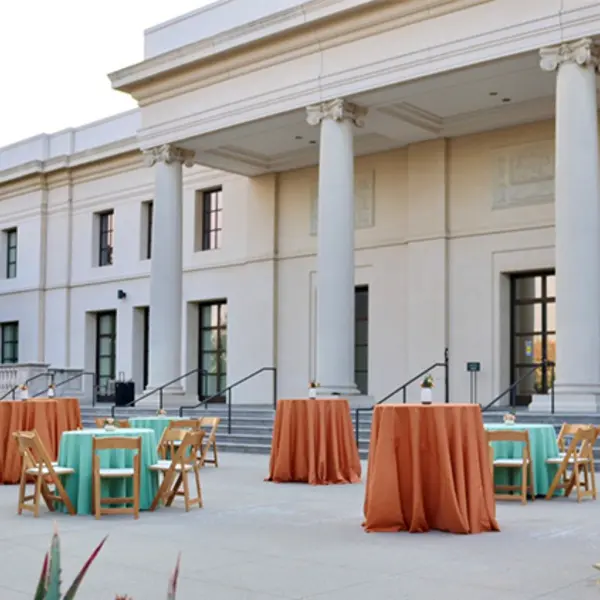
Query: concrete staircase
[252,425]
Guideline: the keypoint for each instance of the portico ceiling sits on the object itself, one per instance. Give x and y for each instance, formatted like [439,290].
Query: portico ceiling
[481,98]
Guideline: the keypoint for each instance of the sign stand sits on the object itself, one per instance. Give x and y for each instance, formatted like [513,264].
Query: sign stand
[472,369]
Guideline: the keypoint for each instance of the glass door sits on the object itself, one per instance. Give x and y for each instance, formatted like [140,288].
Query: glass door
[213,349]
[106,349]
[533,324]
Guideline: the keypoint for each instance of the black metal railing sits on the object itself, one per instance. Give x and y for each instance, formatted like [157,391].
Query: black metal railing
[444,365]
[202,373]
[69,380]
[12,391]
[227,394]
[512,388]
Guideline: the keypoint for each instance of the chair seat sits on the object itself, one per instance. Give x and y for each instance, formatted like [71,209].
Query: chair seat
[116,472]
[58,470]
[509,462]
[164,465]
[558,460]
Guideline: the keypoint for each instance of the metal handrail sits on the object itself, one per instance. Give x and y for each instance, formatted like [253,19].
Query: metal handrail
[27,382]
[68,380]
[160,390]
[228,390]
[403,388]
[513,386]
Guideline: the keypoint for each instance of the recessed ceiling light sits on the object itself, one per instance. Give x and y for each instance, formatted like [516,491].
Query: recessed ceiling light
[505,99]
[299,137]
[493,93]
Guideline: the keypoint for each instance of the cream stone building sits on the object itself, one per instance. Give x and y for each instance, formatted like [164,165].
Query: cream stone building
[340,189]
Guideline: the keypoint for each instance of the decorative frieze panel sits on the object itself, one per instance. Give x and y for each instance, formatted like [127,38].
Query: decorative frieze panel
[524,175]
[364,202]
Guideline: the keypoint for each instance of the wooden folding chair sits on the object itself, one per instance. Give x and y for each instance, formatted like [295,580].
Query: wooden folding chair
[211,441]
[567,431]
[37,465]
[99,473]
[119,423]
[578,460]
[175,472]
[170,440]
[523,463]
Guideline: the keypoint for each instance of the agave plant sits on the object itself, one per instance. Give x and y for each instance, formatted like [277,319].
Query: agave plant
[48,587]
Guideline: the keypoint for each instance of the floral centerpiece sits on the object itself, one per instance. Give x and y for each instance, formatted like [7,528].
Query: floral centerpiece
[509,418]
[109,424]
[427,389]
[312,389]
[161,412]
[24,391]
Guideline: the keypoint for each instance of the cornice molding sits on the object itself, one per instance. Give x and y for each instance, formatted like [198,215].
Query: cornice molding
[498,44]
[215,59]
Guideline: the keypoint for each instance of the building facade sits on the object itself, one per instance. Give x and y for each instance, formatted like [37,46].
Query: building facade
[340,189]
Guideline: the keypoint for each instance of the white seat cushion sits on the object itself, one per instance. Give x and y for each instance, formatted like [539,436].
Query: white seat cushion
[58,470]
[509,462]
[164,465]
[124,472]
[558,460]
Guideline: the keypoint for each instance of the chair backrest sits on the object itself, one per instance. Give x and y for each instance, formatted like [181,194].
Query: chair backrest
[213,423]
[33,451]
[568,430]
[190,448]
[193,424]
[582,443]
[517,435]
[115,442]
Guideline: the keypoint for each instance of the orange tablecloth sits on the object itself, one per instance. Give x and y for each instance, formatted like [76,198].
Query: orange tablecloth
[429,469]
[49,417]
[313,442]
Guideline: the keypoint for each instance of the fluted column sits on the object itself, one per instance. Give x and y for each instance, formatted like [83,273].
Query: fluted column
[335,257]
[577,200]
[166,265]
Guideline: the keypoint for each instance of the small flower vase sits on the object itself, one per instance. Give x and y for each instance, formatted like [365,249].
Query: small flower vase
[25,394]
[426,395]
[50,392]
[312,393]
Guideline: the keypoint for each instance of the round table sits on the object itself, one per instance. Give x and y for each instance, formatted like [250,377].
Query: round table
[50,417]
[543,444]
[157,424]
[76,452]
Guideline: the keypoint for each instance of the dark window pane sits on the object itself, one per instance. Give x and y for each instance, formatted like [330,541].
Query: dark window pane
[362,333]
[211,219]
[210,339]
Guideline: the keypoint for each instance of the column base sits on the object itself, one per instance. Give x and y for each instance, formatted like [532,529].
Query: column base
[569,399]
[172,395]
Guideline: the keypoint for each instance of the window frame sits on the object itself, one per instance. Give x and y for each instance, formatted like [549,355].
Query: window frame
[11,265]
[14,343]
[113,354]
[361,289]
[212,204]
[106,233]
[220,350]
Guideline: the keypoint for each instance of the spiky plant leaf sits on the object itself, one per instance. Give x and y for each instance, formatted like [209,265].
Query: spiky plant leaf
[53,584]
[173,581]
[40,591]
[77,582]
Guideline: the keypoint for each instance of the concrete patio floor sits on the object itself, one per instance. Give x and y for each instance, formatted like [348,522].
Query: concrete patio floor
[263,541]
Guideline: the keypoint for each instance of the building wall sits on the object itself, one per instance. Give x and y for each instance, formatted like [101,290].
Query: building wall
[438,227]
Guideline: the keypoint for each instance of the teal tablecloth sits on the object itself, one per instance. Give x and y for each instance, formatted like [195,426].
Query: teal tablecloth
[157,424]
[543,443]
[76,452]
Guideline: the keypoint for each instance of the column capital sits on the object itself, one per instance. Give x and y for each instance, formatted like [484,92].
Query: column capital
[168,154]
[584,52]
[337,110]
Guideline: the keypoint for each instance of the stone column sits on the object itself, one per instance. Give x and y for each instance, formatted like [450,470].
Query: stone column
[335,258]
[166,266]
[577,200]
